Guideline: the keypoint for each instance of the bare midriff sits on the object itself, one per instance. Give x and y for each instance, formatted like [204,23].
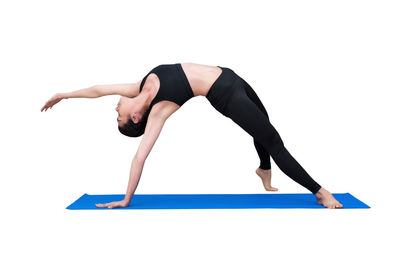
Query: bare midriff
[200,77]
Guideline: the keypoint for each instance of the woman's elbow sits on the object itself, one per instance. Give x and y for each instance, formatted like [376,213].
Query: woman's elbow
[96,90]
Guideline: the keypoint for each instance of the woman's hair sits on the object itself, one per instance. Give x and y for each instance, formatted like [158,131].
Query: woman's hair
[132,129]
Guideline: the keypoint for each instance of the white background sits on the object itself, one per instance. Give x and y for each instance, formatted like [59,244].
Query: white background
[326,71]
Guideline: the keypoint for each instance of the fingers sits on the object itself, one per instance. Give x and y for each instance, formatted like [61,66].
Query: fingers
[109,205]
[45,109]
[46,106]
[105,205]
[50,103]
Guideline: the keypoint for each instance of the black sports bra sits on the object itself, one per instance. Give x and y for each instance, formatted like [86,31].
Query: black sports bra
[174,85]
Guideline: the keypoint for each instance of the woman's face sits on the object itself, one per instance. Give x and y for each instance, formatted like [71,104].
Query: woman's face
[123,111]
[125,108]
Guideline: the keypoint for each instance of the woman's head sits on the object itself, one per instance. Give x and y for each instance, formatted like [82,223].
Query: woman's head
[132,116]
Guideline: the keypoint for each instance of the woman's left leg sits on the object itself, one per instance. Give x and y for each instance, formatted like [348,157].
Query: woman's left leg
[264,169]
[265,161]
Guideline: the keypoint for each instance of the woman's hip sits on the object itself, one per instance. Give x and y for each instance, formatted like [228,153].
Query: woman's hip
[227,84]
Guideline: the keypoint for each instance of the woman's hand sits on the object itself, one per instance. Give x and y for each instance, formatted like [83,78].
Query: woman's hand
[52,101]
[115,204]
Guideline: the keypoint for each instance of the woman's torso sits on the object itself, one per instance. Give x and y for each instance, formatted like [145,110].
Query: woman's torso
[200,78]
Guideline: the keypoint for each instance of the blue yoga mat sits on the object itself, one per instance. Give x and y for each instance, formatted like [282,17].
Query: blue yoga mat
[217,201]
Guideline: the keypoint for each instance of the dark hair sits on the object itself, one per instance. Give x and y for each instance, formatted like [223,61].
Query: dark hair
[132,129]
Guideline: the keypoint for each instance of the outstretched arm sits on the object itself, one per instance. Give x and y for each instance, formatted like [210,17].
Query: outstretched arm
[123,89]
[152,131]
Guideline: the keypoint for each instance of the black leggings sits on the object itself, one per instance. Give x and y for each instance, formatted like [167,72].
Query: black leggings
[234,98]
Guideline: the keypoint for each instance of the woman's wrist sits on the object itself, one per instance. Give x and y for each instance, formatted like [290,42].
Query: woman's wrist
[64,95]
[127,200]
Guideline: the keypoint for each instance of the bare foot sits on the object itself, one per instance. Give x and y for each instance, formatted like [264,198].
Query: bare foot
[265,176]
[327,200]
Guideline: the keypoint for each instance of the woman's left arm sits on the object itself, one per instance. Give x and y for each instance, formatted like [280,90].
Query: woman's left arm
[123,89]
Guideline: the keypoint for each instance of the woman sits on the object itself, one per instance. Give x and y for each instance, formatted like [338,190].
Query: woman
[145,106]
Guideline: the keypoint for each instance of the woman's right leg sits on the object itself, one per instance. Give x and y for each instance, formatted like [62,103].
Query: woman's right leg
[244,112]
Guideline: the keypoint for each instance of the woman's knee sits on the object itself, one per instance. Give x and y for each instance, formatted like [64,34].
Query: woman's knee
[274,143]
